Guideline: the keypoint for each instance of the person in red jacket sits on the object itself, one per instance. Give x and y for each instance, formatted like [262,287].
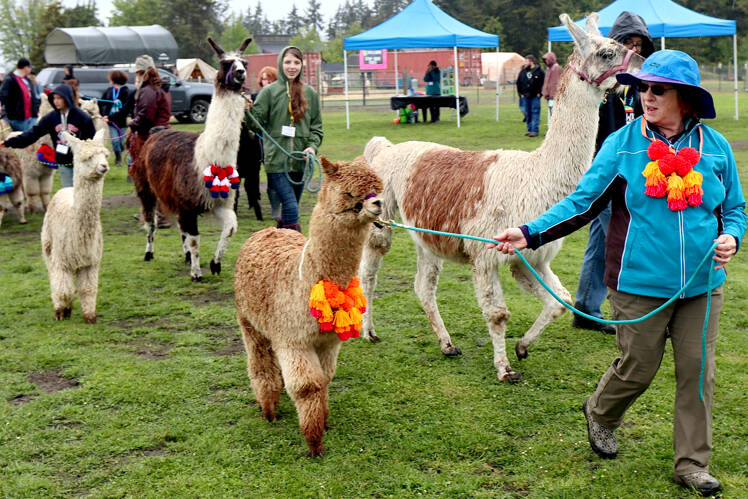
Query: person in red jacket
[552,77]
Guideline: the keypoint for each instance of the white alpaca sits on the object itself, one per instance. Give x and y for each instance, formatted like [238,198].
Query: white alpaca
[91,107]
[480,193]
[37,176]
[71,233]
[171,163]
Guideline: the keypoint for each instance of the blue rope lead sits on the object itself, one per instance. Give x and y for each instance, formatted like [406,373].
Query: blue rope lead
[706,257]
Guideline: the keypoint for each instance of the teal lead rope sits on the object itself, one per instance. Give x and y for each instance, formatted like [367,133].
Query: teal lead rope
[597,319]
[311,162]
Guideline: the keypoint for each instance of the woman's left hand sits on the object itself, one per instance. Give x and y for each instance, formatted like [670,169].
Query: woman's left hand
[309,149]
[725,249]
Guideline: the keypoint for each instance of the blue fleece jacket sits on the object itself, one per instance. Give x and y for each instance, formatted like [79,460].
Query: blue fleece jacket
[651,250]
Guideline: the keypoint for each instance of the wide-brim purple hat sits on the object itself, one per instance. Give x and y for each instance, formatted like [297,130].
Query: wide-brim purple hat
[677,68]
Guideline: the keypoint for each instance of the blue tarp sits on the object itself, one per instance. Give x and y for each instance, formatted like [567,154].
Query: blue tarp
[420,25]
[664,18]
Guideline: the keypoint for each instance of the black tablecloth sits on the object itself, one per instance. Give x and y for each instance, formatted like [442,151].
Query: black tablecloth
[426,101]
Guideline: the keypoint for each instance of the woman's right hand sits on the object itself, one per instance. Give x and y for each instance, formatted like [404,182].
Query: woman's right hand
[509,240]
[248,104]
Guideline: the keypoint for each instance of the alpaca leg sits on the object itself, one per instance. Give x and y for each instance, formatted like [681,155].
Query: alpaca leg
[551,308]
[33,198]
[427,279]
[62,289]
[16,197]
[262,368]
[328,359]
[306,385]
[228,221]
[88,287]
[377,245]
[3,197]
[187,225]
[491,301]
[45,188]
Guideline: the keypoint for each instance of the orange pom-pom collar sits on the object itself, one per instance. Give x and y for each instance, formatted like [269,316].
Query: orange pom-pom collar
[337,310]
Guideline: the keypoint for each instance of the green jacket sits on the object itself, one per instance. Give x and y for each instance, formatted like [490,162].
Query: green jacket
[270,109]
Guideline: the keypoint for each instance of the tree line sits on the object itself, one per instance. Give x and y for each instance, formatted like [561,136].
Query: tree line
[521,24]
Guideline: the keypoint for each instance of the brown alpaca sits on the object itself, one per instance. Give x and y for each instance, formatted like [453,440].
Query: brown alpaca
[169,167]
[10,164]
[273,277]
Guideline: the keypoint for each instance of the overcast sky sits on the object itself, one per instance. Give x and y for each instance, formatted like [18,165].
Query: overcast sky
[274,9]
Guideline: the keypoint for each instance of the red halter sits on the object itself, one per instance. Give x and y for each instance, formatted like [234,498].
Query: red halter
[605,75]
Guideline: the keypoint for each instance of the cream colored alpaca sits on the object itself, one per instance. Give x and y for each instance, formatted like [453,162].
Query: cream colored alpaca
[10,164]
[71,233]
[37,177]
[273,278]
[91,107]
[480,193]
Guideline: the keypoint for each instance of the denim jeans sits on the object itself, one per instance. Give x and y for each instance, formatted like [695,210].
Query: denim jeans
[66,176]
[275,203]
[289,194]
[117,137]
[591,290]
[531,108]
[22,125]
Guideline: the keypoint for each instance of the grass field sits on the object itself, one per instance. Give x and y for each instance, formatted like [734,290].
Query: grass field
[154,400]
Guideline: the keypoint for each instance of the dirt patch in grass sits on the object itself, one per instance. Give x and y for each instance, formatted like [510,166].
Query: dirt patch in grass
[52,381]
[22,399]
[168,322]
[202,300]
[233,348]
[739,145]
[119,200]
[152,349]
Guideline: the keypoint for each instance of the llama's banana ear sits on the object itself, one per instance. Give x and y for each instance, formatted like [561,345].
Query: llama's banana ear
[581,38]
[216,48]
[244,45]
[590,26]
[72,141]
[328,167]
[100,134]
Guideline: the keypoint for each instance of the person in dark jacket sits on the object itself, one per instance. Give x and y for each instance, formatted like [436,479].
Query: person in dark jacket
[530,88]
[66,116]
[113,108]
[18,98]
[617,110]
[433,79]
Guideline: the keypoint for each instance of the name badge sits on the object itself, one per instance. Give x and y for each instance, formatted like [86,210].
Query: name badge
[62,148]
[288,131]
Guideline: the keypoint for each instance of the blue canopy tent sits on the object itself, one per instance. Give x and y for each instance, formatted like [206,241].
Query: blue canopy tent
[664,18]
[420,25]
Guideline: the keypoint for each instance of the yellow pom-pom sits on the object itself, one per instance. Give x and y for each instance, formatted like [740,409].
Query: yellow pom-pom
[326,313]
[692,179]
[650,169]
[317,296]
[356,317]
[675,186]
[342,321]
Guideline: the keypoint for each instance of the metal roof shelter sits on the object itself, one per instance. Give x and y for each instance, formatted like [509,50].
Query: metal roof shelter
[109,45]
[420,25]
[665,19]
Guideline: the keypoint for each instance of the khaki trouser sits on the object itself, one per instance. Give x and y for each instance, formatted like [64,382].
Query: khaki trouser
[641,346]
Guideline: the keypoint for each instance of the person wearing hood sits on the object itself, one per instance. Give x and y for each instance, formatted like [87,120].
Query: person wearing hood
[618,109]
[552,77]
[289,111]
[66,116]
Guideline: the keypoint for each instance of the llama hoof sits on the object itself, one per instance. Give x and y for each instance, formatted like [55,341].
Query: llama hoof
[511,377]
[60,314]
[89,318]
[451,351]
[197,278]
[372,337]
[316,453]
[23,222]
[148,256]
[520,350]
[188,258]
[215,268]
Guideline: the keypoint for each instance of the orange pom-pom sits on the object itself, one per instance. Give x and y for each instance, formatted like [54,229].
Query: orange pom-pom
[692,179]
[689,155]
[656,183]
[676,196]
[657,150]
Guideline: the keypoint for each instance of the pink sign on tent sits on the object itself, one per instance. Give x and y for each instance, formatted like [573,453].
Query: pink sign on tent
[372,59]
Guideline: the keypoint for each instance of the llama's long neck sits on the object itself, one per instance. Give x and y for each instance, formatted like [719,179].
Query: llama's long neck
[334,250]
[569,144]
[219,143]
[87,196]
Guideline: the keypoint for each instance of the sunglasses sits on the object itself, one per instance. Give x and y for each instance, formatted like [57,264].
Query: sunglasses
[656,89]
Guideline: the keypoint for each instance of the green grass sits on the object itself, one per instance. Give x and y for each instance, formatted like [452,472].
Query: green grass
[158,403]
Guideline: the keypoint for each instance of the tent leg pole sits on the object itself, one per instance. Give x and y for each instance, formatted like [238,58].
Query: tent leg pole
[345,79]
[397,77]
[662,43]
[735,69]
[457,88]
[497,83]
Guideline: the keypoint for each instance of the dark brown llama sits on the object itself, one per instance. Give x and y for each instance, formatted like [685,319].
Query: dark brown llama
[171,163]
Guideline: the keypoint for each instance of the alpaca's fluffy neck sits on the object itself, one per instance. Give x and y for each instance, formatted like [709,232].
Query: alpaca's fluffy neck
[334,249]
[87,196]
[219,143]
[570,142]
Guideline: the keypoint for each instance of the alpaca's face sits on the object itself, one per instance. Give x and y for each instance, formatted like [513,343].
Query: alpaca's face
[232,73]
[352,192]
[96,165]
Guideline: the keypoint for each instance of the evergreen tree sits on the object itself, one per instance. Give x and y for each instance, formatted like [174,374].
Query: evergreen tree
[294,21]
[82,15]
[53,16]
[313,15]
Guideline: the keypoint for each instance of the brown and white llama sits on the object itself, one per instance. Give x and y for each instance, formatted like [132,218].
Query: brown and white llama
[481,192]
[71,236]
[10,164]
[273,278]
[171,164]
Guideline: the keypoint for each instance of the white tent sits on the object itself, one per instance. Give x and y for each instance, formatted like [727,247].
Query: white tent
[502,67]
[195,69]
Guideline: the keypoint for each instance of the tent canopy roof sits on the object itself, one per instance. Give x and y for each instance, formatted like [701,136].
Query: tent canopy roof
[109,45]
[186,68]
[664,18]
[420,25]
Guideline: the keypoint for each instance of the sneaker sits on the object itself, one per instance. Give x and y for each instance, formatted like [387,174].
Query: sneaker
[700,481]
[532,134]
[602,440]
[584,323]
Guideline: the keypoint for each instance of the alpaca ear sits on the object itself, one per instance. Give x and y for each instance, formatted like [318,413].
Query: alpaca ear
[591,25]
[72,141]
[581,39]
[328,167]
[100,134]
[216,48]
[244,45]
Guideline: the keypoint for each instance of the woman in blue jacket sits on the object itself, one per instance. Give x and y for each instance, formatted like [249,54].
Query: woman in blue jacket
[674,190]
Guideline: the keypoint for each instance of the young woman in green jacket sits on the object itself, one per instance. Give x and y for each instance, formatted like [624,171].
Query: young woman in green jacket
[289,111]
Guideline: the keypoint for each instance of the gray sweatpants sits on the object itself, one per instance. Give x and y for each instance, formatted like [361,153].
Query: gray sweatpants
[641,347]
